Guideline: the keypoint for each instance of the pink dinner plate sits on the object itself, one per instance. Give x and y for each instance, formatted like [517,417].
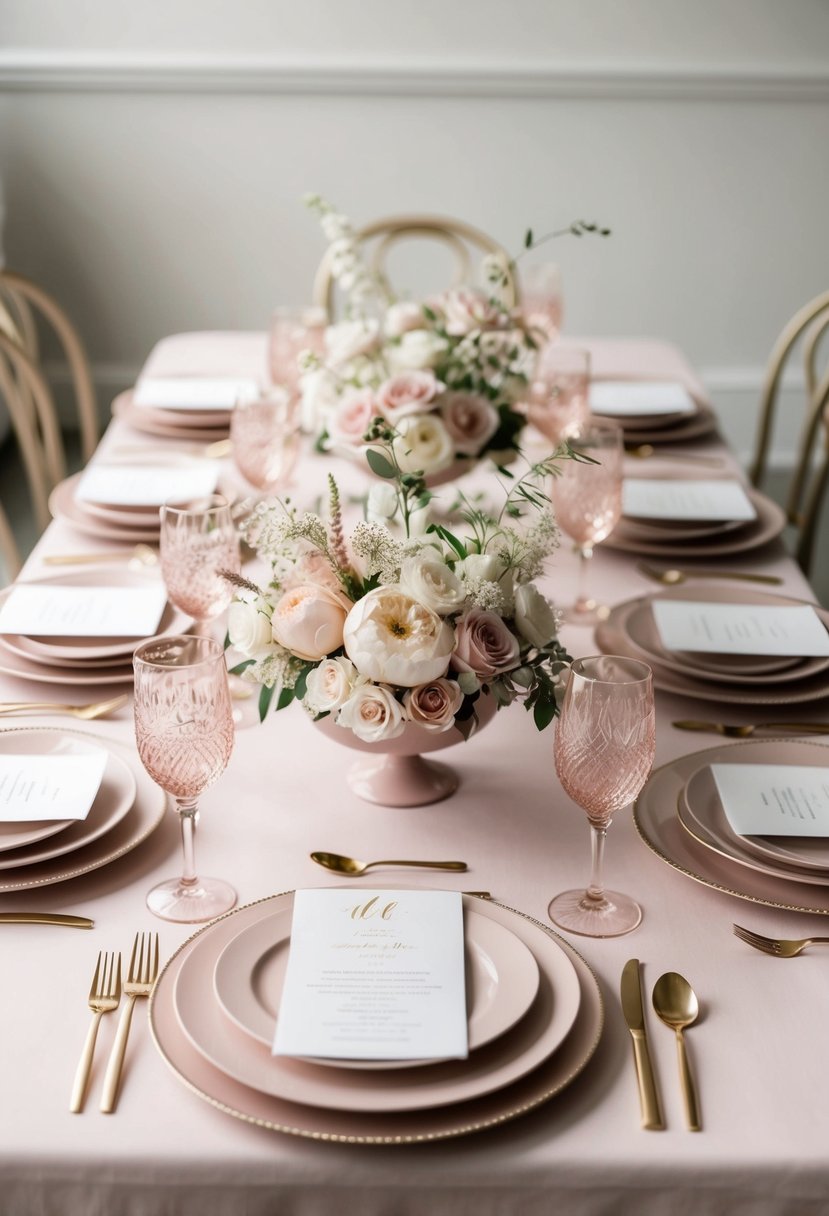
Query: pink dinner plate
[137,417]
[501,982]
[63,505]
[770,522]
[701,814]
[537,1035]
[12,664]
[648,430]
[123,517]
[658,824]
[252,1106]
[112,802]
[143,818]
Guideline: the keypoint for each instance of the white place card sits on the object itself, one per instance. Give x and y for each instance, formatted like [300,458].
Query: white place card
[763,629]
[374,975]
[686,498]
[49,787]
[629,398]
[147,485]
[83,612]
[774,799]
[191,393]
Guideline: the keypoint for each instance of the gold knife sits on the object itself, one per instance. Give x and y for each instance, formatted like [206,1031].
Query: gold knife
[46,918]
[633,1010]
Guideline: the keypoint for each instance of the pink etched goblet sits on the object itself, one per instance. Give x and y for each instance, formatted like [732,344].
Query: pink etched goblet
[558,404]
[294,330]
[184,732]
[265,434]
[541,300]
[197,543]
[587,498]
[604,750]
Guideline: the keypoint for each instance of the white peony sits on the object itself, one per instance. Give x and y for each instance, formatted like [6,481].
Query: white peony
[350,339]
[417,349]
[430,581]
[320,393]
[535,617]
[330,685]
[393,639]
[403,318]
[249,628]
[373,713]
[423,444]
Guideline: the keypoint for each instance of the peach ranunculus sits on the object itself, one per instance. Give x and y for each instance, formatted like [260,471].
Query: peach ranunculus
[470,420]
[433,706]
[484,645]
[373,713]
[308,621]
[408,393]
[352,415]
[466,309]
[393,639]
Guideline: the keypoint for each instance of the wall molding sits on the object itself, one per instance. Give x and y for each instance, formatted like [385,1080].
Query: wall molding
[29,71]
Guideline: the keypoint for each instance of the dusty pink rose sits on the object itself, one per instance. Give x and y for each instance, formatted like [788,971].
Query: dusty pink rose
[408,393]
[308,620]
[465,309]
[470,420]
[484,645]
[433,706]
[352,416]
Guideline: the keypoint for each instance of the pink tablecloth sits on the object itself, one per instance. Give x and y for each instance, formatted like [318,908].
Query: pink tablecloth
[760,1051]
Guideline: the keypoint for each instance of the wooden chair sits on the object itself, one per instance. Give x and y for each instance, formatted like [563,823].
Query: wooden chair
[9,554]
[385,234]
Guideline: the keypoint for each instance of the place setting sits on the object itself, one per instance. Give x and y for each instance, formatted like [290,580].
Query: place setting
[183,407]
[651,411]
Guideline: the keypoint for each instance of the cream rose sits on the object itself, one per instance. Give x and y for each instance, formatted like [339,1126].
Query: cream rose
[330,685]
[484,645]
[433,706]
[373,713]
[403,318]
[416,349]
[308,620]
[535,617]
[352,415]
[470,420]
[393,639]
[249,628]
[423,444]
[350,339]
[408,393]
[430,581]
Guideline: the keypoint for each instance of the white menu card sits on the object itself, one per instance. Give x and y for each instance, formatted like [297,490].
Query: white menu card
[374,975]
[147,485]
[38,610]
[191,393]
[49,787]
[774,799]
[628,398]
[764,629]
[685,498]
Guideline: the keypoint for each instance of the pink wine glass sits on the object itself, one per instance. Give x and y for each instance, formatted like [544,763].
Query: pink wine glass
[184,731]
[541,299]
[265,434]
[604,749]
[197,543]
[587,497]
[294,330]
[558,404]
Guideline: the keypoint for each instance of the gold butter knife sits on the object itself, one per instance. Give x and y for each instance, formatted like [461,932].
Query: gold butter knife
[634,1013]
[46,918]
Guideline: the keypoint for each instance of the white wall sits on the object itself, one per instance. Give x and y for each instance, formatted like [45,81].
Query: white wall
[153,156]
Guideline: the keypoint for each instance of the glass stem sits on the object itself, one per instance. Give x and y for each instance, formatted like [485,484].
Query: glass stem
[188,813]
[583,601]
[598,836]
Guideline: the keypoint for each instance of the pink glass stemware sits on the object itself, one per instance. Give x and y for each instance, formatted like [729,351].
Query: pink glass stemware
[604,750]
[198,542]
[559,404]
[294,330]
[542,300]
[184,732]
[265,435]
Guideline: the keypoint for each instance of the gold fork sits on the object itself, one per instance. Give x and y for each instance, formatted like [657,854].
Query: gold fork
[673,578]
[745,732]
[104,996]
[780,947]
[141,555]
[141,976]
[96,709]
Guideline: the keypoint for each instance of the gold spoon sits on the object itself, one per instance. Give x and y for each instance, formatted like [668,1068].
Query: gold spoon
[644,451]
[672,578]
[676,1004]
[353,868]
[96,709]
[141,555]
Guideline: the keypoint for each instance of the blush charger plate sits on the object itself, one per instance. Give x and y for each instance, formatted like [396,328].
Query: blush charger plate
[136,416]
[502,981]
[275,1114]
[42,673]
[141,819]
[770,522]
[657,822]
[64,505]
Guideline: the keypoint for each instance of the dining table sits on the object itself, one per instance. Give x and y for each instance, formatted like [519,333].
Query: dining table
[759,1048]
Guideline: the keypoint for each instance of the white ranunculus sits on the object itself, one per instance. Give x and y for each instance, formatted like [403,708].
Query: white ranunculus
[430,581]
[481,567]
[320,393]
[393,639]
[403,318]
[329,685]
[373,713]
[417,349]
[249,628]
[535,617]
[423,444]
[382,503]
[350,339]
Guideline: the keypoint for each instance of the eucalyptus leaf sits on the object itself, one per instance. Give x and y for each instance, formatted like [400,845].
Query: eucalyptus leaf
[380,464]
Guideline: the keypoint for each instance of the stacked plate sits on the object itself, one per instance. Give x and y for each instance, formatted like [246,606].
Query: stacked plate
[669,414]
[680,816]
[81,661]
[734,679]
[182,407]
[534,1014]
[126,809]
[680,540]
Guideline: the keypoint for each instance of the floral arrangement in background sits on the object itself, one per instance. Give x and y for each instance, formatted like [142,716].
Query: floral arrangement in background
[380,630]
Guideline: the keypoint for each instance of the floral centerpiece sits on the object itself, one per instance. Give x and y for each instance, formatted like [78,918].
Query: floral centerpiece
[382,629]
